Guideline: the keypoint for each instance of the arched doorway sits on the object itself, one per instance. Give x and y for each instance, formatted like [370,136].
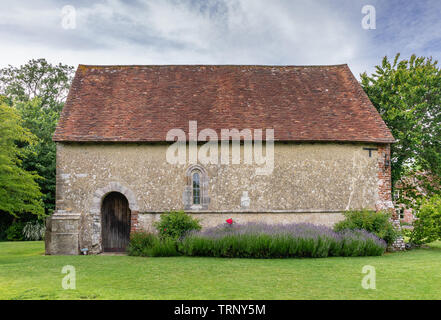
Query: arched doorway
[115,217]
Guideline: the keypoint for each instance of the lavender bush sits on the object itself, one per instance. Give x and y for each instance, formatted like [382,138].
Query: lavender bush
[258,240]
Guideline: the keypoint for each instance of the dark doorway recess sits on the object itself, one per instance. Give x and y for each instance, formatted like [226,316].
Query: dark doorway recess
[115,217]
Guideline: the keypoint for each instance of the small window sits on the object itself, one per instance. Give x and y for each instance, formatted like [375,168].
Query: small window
[195,195]
[401,213]
[196,188]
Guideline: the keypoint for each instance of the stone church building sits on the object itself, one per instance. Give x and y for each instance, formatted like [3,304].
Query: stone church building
[331,149]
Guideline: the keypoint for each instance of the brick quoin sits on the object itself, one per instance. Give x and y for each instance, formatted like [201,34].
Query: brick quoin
[385,192]
[134,222]
[384,176]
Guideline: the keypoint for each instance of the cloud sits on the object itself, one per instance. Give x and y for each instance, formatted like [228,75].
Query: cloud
[218,32]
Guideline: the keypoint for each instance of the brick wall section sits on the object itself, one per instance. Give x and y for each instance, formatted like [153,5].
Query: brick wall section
[385,192]
[384,178]
[134,221]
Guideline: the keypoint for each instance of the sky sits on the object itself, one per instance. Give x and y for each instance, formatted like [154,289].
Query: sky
[262,32]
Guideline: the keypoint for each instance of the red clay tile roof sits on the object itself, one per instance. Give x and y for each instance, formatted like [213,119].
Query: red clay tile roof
[142,103]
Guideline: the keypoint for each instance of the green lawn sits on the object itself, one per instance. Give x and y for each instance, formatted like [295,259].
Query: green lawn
[25,273]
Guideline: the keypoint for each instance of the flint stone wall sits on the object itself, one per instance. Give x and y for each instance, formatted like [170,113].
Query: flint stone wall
[311,182]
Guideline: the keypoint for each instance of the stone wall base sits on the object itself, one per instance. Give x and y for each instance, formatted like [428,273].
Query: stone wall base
[146,220]
[399,244]
[62,234]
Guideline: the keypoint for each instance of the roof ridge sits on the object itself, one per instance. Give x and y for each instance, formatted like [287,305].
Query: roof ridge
[209,65]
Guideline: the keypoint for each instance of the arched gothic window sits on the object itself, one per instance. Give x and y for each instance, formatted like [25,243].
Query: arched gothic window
[196,187]
[196,191]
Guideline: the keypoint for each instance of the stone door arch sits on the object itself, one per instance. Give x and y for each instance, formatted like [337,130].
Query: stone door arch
[115,222]
[97,201]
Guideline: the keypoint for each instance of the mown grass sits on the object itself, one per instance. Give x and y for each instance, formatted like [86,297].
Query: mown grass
[25,273]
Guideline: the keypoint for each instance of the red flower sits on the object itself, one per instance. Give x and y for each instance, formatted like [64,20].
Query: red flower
[229,221]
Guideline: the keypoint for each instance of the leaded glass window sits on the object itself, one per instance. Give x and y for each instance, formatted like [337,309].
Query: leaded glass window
[195,195]
[196,188]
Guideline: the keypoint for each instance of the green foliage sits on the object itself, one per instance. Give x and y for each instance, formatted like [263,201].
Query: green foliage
[5,100]
[150,245]
[377,223]
[38,90]
[427,227]
[19,191]
[15,231]
[42,154]
[407,94]
[176,224]
[415,187]
[37,78]
[5,222]
[34,230]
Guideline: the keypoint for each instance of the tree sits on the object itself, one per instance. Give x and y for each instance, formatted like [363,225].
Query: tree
[37,78]
[19,191]
[427,228]
[38,90]
[407,94]
[415,187]
[41,154]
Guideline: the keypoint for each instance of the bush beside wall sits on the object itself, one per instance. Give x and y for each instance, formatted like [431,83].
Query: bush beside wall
[151,245]
[378,223]
[176,224]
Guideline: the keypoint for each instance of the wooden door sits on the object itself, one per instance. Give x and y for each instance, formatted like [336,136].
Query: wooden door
[115,215]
